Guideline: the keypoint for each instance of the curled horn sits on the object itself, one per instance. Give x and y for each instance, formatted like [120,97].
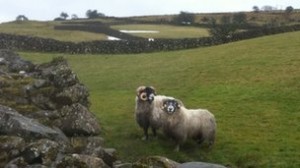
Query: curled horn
[143,96]
[140,89]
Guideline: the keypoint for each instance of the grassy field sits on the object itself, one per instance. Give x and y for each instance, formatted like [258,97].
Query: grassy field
[46,30]
[259,18]
[252,87]
[165,31]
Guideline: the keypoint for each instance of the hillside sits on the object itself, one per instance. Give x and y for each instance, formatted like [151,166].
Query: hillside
[256,18]
[164,26]
[46,30]
[49,30]
[252,87]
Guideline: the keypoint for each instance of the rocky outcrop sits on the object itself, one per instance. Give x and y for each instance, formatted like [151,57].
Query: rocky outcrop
[155,161]
[13,123]
[13,62]
[45,119]
[162,162]
[76,120]
[200,165]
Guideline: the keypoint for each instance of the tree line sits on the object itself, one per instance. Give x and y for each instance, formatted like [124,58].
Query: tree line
[183,18]
[228,25]
[90,14]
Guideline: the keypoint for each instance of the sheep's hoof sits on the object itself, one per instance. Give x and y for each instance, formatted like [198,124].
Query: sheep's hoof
[210,145]
[176,148]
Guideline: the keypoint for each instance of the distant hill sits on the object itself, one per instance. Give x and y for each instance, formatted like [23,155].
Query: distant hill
[163,24]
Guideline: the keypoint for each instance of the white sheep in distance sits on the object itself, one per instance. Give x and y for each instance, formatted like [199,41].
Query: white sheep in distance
[180,123]
[148,110]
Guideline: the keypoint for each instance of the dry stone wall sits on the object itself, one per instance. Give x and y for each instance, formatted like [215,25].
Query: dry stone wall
[45,119]
[26,43]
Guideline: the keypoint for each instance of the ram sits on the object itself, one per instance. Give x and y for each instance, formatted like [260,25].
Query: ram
[148,110]
[180,123]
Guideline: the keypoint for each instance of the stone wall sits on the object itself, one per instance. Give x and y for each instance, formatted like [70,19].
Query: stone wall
[45,119]
[26,43]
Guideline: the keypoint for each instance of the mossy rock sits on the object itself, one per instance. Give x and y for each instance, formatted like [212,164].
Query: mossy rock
[69,161]
[13,94]
[10,147]
[81,161]
[80,144]
[155,162]
[42,151]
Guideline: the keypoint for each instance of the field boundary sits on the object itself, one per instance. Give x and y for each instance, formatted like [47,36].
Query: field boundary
[27,43]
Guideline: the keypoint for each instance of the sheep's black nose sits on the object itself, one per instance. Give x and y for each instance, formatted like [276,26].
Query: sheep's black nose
[171,109]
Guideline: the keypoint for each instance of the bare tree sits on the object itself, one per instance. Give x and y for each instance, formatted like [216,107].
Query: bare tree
[21,18]
[222,32]
[64,15]
[74,17]
[185,18]
[91,14]
[255,9]
[289,9]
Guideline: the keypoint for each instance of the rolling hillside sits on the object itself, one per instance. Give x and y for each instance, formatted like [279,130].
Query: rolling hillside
[251,86]
[164,25]
[46,30]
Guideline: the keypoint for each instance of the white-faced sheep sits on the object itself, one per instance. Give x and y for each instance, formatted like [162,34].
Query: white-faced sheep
[148,110]
[181,123]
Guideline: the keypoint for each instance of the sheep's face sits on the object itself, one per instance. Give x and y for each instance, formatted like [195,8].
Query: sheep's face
[170,106]
[146,94]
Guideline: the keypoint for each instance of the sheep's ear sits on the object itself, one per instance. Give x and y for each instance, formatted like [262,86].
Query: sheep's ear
[179,103]
[163,106]
[140,89]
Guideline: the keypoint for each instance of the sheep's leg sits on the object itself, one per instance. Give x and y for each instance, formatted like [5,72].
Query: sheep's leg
[200,140]
[145,134]
[211,141]
[154,132]
[177,147]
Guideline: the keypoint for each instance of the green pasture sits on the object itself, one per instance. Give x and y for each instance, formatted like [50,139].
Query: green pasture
[256,18]
[252,87]
[46,30]
[165,31]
